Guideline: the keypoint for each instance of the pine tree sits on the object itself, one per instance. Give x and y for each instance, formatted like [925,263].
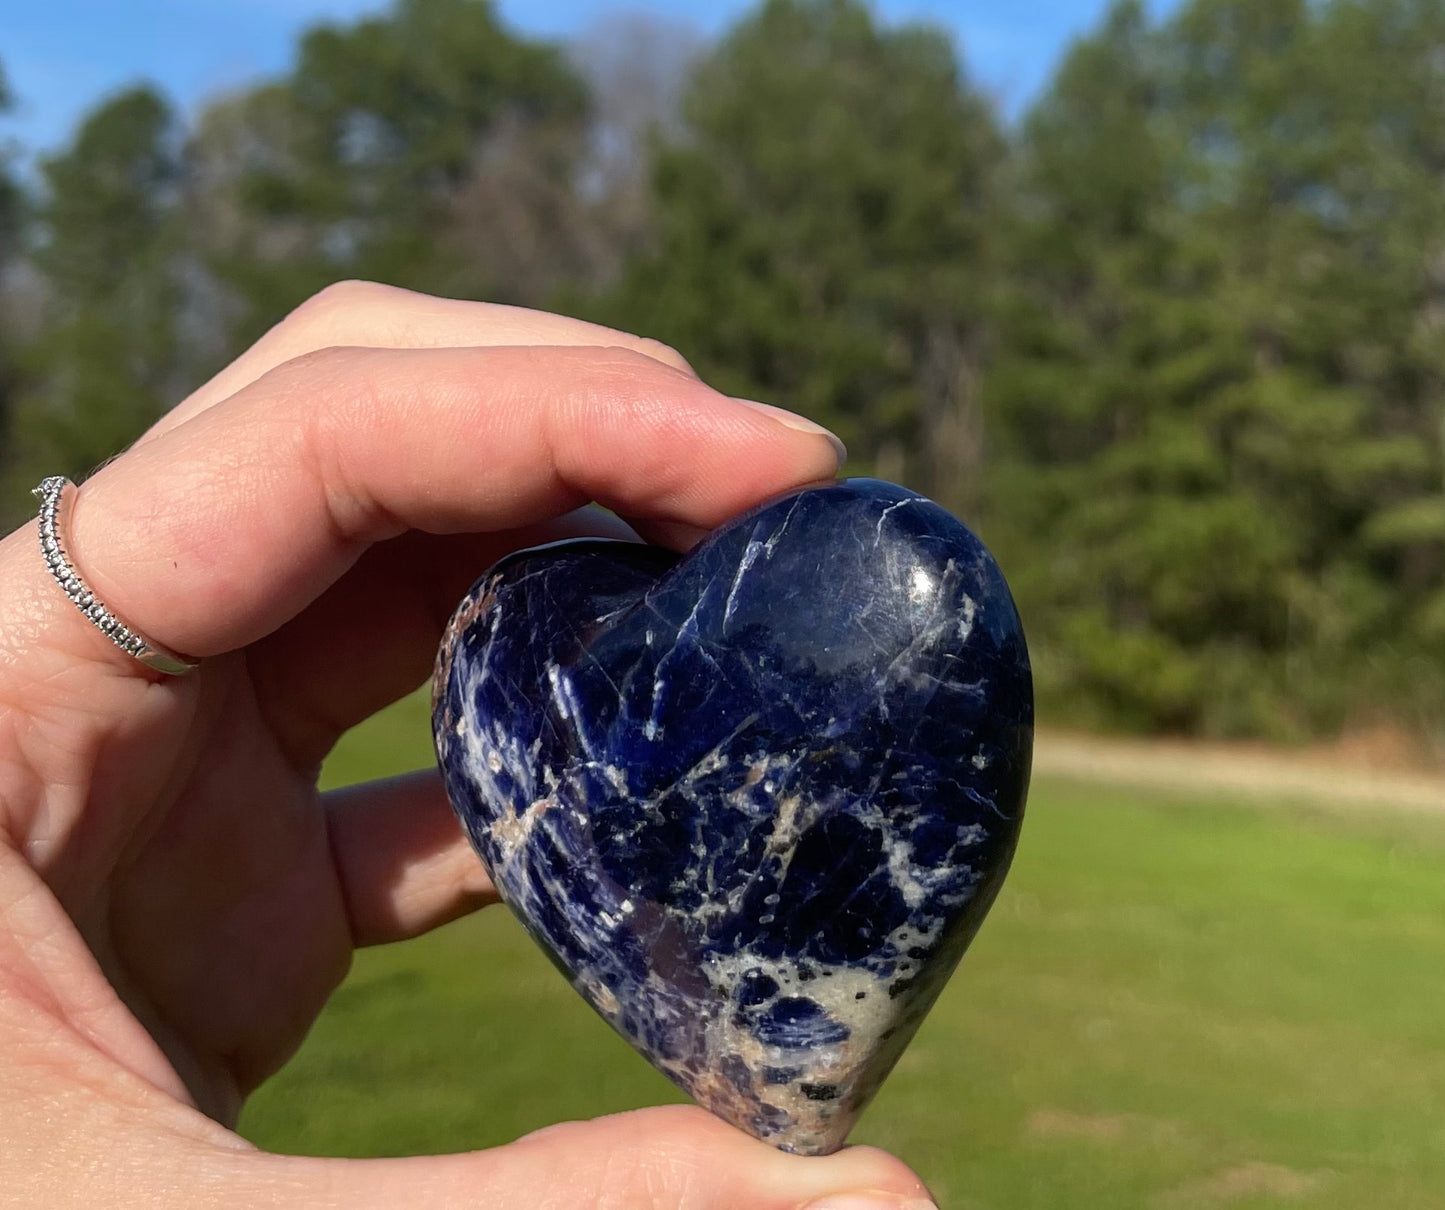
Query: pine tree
[104,362]
[1216,400]
[425,147]
[821,233]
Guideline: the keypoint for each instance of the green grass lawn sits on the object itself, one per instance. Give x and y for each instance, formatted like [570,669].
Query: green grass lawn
[1173,1005]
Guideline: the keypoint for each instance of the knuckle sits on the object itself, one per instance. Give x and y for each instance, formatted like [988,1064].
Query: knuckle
[622,359]
[333,310]
[628,371]
[319,366]
[343,295]
[665,353]
[332,316]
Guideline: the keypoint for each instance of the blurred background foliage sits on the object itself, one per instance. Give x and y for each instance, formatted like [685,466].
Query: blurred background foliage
[1174,342]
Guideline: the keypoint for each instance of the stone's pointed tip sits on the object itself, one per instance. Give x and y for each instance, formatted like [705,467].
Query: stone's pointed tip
[756,801]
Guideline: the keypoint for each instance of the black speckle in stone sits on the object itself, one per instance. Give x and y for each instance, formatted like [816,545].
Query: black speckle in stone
[898,987]
[796,757]
[819,1092]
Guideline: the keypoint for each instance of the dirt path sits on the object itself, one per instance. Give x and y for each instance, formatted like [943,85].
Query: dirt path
[1245,772]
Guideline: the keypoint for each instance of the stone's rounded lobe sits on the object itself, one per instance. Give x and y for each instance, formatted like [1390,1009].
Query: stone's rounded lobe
[754,802]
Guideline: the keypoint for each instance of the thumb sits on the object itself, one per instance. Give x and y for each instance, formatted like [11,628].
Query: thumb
[669,1158]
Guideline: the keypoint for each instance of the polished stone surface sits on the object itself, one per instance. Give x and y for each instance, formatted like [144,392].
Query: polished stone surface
[754,803]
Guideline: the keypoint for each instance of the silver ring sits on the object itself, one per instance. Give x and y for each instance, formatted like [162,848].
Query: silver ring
[54,494]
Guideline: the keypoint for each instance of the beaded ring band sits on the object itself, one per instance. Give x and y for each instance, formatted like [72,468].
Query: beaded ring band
[54,494]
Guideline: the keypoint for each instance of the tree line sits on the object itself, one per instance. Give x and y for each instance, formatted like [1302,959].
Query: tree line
[1173,342]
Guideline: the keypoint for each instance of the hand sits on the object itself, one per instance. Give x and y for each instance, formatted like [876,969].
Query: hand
[176,899]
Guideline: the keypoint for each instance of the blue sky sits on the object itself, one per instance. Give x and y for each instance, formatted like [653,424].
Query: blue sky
[61,55]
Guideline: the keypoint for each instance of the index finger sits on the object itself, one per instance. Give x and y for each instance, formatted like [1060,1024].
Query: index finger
[216,532]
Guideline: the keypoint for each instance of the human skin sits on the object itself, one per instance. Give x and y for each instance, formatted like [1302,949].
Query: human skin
[177,900]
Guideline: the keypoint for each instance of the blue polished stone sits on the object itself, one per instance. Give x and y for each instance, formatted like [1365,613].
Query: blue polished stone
[754,802]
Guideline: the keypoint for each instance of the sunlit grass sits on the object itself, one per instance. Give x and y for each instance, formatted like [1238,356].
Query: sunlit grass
[1173,1005]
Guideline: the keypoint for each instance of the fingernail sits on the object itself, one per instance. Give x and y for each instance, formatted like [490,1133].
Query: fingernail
[800,424]
[870,1201]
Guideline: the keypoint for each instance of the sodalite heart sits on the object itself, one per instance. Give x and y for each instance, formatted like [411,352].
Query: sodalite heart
[753,802]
